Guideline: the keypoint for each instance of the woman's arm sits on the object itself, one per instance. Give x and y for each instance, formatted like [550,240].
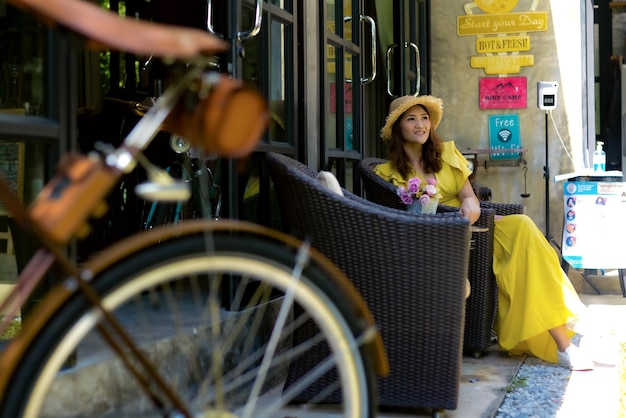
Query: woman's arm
[105,29]
[470,206]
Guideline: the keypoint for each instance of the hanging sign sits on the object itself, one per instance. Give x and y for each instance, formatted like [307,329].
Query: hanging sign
[492,24]
[503,93]
[502,64]
[500,44]
[594,226]
[504,133]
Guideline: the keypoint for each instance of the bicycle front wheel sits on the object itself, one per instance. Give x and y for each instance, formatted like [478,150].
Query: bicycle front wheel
[237,331]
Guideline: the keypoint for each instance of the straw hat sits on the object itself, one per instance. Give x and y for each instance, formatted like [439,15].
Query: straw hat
[434,106]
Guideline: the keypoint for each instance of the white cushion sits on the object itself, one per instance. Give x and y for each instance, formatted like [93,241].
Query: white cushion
[328,180]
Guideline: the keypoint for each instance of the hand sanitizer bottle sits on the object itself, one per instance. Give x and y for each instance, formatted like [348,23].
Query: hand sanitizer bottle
[599,158]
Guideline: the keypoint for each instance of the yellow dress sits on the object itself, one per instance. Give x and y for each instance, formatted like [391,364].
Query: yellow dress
[534,294]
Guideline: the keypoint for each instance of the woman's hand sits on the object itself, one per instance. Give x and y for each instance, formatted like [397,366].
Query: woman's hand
[470,209]
[470,206]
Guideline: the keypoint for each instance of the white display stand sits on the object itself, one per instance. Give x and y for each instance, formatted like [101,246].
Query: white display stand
[594,227]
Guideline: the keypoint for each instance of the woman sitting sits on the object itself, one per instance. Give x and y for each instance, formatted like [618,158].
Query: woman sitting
[536,300]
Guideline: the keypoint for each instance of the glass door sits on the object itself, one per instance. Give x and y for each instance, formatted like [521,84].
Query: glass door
[349,55]
[263,53]
[406,52]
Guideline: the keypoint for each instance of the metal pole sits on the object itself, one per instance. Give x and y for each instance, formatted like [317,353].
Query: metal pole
[546,176]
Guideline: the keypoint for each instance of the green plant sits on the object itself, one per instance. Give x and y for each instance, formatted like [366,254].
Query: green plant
[105,71]
[517,382]
[105,56]
[12,330]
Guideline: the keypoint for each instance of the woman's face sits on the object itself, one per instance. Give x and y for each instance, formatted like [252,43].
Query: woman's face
[415,125]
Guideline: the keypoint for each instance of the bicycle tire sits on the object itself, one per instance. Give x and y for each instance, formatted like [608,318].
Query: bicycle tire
[163,275]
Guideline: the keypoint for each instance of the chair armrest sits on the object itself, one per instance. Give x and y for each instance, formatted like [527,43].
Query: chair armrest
[487,218]
[487,213]
[503,209]
[447,211]
[441,208]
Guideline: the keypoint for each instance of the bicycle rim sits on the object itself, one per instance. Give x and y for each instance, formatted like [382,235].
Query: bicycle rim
[171,298]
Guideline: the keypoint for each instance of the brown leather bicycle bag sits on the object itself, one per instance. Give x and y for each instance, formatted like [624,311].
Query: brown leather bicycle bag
[224,116]
[75,194]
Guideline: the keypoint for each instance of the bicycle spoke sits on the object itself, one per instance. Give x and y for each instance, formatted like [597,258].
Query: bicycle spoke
[302,258]
[237,378]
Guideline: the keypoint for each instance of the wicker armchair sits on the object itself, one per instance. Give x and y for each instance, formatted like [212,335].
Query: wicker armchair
[482,303]
[410,270]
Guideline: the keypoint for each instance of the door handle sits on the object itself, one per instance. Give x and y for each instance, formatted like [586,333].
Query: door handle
[372,23]
[417,67]
[256,28]
[209,19]
[418,71]
[389,51]
[368,19]
[241,36]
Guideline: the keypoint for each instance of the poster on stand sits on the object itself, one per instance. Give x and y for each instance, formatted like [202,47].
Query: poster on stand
[595,224]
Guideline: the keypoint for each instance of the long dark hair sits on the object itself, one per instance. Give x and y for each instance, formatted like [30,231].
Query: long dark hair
[431,150]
